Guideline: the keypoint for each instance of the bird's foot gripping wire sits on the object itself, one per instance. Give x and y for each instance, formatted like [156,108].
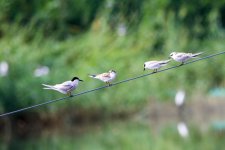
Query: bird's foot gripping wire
[181,64]
[108,83]
[69,94]
[154,71]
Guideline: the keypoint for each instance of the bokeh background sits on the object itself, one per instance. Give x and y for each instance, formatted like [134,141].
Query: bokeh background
[52,41]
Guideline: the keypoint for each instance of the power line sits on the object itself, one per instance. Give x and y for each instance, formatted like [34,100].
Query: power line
[102,87]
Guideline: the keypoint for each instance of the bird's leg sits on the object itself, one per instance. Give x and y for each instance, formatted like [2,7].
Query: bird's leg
[154,71]
[108,83]
[69,94]
[181,63]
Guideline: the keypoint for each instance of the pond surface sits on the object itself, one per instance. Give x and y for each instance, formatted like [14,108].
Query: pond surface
[154,127]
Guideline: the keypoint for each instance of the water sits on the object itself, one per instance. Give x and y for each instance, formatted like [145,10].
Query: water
[154,127]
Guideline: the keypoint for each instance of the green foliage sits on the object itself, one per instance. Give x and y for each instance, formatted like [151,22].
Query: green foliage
[54,17]
[153,29]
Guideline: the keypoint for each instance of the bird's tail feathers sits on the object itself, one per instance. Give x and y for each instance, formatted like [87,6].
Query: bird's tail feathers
[47,86]
[166,61]
[92,76]
[196,54]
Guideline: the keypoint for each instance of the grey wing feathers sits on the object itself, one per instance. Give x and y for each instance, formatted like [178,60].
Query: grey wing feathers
[64,86]
[164,62]
[67,83]
[181,54]
[196,54]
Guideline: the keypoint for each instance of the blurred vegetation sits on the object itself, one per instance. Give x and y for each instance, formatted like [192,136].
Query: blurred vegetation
[121,135]
[75,38]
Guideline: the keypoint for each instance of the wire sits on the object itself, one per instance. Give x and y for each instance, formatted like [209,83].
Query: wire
[102,87]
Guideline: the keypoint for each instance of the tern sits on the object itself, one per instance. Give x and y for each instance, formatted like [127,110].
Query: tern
[105,77]
[155,64]
[66,87]
[183,57]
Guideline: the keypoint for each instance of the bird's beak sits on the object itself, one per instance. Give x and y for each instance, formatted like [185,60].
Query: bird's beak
[144,69]
[80,80]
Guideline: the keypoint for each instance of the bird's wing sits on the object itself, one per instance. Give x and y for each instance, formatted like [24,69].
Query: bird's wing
[66,83]
[105,75]
[196,54]
[155,62]
[180,55]
[65,86]
[152,62]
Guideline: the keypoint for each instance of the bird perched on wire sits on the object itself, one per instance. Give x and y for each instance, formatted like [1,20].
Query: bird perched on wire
[105,77]
[183,57]
[66,87]
[155,64]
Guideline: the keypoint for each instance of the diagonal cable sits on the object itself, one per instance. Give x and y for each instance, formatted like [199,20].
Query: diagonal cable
[102,87]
